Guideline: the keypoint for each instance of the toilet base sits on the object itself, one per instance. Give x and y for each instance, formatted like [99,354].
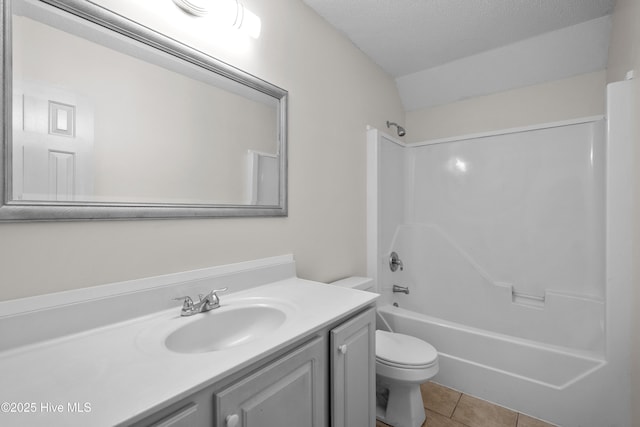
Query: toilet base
[404,406]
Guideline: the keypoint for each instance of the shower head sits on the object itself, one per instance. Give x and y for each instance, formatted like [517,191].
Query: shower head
[401,131]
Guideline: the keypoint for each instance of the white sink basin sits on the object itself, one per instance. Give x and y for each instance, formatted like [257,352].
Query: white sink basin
[226,327]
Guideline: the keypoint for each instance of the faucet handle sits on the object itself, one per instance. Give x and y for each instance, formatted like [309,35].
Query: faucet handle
[211,300]
[187,302]
[212,295]
[395,262]
[215,300]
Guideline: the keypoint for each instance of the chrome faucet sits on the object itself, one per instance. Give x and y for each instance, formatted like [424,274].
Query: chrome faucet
[401,289]
[206,303]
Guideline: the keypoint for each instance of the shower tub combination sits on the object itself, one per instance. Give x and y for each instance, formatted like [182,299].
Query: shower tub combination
[527,376]
[515,252]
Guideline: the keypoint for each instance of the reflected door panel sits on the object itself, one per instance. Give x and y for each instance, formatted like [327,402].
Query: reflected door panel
[52,144]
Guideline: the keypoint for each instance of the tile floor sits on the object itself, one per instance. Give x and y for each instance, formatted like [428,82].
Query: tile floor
[445,407]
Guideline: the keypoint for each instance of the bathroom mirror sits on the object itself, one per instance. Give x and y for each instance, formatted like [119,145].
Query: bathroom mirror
[106,119]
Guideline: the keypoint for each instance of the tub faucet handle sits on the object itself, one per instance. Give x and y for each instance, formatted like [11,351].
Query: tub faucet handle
[395,262]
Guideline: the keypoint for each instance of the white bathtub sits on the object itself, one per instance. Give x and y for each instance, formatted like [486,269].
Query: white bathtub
[524,375]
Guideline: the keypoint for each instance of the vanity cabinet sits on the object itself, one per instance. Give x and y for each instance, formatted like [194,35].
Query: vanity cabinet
[328,379]
[353,372]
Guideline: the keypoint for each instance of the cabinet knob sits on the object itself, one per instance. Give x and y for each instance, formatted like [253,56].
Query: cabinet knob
[232,420]
[342,349]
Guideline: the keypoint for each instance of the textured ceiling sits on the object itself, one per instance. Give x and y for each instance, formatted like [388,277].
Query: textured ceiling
[407,36]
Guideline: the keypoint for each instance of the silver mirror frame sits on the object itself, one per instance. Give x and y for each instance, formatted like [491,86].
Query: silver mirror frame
[11,210]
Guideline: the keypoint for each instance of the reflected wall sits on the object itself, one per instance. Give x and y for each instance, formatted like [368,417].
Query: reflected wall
[141,132]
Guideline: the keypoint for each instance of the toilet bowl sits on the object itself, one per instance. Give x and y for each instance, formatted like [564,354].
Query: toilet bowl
[403,363]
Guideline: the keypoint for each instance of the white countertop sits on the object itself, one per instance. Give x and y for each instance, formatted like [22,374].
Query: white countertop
[123,370]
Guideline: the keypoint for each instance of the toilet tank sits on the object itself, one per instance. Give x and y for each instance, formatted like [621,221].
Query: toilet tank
[356,282]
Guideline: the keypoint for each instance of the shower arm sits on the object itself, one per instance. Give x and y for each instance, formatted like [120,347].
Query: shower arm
[401,131]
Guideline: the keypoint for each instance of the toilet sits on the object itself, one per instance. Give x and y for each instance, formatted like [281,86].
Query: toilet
[403,363]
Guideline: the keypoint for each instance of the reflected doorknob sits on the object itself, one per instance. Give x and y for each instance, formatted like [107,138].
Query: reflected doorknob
[232,420]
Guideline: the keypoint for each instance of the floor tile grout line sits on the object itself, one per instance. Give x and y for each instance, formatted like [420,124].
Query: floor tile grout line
[456,406]
[454,409]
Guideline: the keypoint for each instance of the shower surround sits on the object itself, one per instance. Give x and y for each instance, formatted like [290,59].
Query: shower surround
[515,256]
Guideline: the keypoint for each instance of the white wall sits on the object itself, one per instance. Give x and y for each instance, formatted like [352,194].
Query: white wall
[575,97]
[624,55]
[555,55]
[335,91]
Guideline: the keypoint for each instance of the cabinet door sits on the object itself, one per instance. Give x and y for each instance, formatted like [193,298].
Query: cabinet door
[353,372]
[291,392]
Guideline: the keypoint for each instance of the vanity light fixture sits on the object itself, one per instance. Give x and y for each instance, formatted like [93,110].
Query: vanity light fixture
[230,12]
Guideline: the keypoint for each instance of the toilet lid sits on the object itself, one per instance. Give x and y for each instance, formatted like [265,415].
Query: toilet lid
[399,349]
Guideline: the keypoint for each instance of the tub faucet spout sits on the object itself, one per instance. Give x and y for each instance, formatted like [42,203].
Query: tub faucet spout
[401,289]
